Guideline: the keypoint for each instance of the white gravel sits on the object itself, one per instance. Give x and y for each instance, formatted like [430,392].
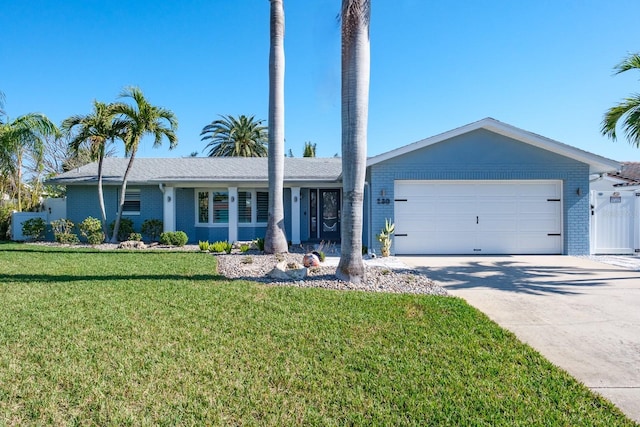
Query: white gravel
[380,276]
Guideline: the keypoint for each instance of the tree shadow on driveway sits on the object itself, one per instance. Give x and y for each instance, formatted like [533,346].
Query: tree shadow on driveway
[554,275]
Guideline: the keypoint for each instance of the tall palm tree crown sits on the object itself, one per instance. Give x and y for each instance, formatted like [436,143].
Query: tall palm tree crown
[140,119]
[229,136]
[97,129]
[627,112]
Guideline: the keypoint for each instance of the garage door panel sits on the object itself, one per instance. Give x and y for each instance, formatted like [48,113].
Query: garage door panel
[456,217]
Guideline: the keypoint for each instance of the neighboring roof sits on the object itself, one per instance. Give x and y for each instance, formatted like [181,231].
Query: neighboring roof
[629,175]
[597,164]
[202,170]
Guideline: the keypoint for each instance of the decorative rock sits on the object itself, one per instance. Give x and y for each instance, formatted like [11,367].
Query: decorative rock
[132,244]
[311,260]
[282,271]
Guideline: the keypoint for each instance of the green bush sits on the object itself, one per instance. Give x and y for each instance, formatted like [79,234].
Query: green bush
[174,238]
[5,220]
[152,228]
[91,229]
[34,228]
[204,246]
[136,237]
[244,248]
[365,250]
[221,246]
[125,230]
[63,232]
[260,243]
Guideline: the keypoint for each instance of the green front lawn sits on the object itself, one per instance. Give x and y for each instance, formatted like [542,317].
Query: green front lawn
[153,338]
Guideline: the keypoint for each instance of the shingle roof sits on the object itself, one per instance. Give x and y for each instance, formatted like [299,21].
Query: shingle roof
[630,173]
[203,169]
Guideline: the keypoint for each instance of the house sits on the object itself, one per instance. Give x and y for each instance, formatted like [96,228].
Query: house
[483,188]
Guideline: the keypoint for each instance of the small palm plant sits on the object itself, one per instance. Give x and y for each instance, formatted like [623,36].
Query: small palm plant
[385,237]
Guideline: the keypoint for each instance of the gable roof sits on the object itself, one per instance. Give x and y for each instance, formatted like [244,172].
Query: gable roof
[202,170]
[597,164]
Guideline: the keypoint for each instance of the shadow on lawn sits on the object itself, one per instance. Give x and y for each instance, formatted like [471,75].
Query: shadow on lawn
[109,278]
[513,276]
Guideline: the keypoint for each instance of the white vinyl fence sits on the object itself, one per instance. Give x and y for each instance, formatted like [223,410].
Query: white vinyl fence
[615,222]
[54,209]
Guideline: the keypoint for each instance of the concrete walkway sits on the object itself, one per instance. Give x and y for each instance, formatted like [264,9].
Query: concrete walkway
[582,315]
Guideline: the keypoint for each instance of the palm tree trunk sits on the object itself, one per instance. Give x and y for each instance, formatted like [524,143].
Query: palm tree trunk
[19,180]
[355,105]
[123,192]
[275,239]
[103,211]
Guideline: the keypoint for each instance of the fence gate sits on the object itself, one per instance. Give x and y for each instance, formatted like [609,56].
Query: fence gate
[615,226]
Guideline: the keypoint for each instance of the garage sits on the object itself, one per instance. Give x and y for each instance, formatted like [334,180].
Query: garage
[478,217]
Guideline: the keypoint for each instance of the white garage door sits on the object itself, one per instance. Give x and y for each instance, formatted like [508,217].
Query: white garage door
[478,217]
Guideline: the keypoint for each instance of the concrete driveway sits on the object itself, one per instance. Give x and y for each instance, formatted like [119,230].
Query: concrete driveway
[582,315]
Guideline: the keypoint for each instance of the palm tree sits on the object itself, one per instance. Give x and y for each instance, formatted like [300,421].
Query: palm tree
[628,111]
[235,137]
[139,120]
[98,129]
[355,102]
[275,239]
[19,138]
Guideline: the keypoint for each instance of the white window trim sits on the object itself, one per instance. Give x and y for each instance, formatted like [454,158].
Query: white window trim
[209,223]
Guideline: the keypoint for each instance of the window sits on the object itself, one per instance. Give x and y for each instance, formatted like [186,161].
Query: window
[203,206]
[244,206]
[131,202]
[262,206]
[212,207]
[253,206]
[220,207]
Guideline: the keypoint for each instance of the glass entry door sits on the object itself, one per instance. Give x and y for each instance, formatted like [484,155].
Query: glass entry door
[330,214]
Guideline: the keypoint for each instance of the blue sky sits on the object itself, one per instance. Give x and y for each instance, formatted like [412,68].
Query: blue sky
[541,65]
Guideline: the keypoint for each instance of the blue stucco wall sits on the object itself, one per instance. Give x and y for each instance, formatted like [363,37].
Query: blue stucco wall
[484,155]
[82,202]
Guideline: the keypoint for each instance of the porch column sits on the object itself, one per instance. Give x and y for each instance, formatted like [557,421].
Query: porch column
[295,215]
[233,214]
[169,209]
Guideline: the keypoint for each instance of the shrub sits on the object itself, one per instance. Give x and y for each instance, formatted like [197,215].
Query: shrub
[135,237]
[34,228]
[174,238]
[365,250]
[125,230]
[152,228]
[244,248]
[63,231]
[260,243]
[321,255]
[5,220]
[221,246]
[204,246]
[91,229]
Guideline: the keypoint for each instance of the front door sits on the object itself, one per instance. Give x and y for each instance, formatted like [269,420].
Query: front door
[324,207]
[330,214]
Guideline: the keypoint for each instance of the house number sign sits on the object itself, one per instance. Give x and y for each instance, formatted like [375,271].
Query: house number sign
[615,198]
[382,201]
